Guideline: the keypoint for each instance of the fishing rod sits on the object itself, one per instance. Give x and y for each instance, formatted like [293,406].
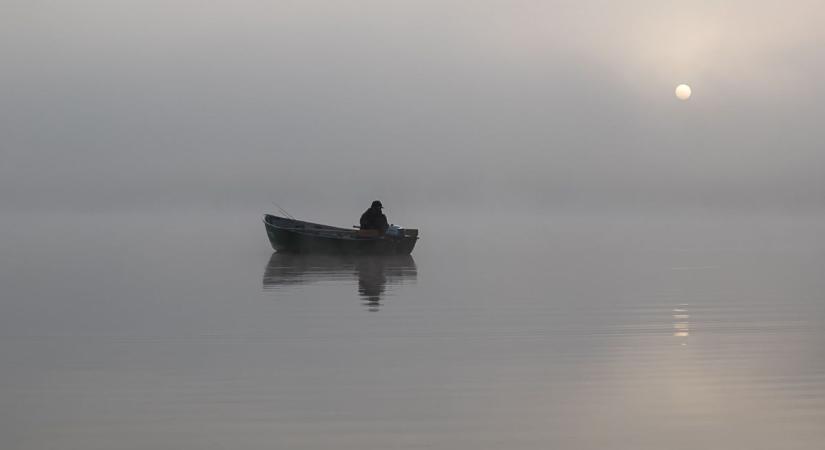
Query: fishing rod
[283,211]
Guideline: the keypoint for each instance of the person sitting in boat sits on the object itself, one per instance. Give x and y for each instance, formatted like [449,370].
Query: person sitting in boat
[374,219]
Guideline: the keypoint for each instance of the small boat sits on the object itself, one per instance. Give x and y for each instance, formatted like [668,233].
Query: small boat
[296,236]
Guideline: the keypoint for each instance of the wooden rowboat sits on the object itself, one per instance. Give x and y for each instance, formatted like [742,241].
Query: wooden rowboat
[296,236]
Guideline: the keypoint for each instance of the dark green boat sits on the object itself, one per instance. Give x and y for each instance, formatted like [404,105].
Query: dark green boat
[296,236]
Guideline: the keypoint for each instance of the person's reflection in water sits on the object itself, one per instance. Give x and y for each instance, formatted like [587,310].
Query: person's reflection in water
[374,273]
[371,282]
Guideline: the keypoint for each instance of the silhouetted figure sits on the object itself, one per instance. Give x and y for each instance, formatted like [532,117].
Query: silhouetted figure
[374,219]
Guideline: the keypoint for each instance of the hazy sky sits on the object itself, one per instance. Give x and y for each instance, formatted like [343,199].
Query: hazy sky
[147,104]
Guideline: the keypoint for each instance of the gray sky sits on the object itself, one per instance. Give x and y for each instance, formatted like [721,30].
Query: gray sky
[175,104]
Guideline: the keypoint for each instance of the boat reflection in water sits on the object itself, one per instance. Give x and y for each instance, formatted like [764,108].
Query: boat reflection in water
[374,273]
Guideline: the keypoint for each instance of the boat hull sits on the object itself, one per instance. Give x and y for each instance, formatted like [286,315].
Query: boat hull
[290,236]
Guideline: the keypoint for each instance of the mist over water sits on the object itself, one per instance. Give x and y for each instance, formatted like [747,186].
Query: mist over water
[601,265]
[551,105]
[123,331]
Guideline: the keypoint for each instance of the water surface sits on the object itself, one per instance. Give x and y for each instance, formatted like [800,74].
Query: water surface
[128,332]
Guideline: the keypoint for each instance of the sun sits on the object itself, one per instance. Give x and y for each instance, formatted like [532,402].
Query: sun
[683,92]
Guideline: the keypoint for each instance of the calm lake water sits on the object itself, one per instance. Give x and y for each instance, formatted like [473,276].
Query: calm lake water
[123,331]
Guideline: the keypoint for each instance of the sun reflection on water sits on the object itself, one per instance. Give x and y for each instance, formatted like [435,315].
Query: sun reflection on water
[681,323]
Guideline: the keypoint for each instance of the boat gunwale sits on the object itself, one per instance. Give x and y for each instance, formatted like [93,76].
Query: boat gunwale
[321,230]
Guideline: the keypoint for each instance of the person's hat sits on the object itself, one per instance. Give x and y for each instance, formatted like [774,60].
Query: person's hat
[377,204]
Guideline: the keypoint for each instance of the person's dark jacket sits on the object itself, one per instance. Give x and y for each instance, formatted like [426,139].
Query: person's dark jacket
[374,219]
